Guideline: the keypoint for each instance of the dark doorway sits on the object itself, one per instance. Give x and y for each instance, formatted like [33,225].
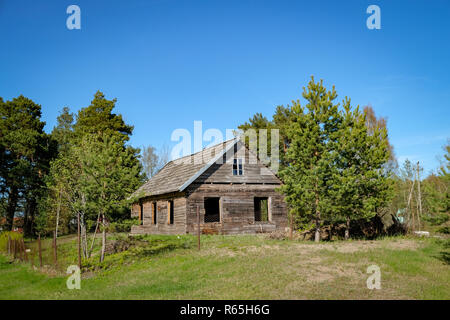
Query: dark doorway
[154,213]
[212,209]
[261,209]
[170,211]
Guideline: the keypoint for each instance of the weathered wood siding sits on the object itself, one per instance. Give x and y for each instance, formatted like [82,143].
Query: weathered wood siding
[135,210]
[162,226]
[237,209]
[254,170]
[236,193]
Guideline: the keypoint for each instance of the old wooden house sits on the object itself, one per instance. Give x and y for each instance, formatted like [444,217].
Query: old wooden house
[232,190]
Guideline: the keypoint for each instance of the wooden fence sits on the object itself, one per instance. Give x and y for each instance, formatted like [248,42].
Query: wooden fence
[17,249]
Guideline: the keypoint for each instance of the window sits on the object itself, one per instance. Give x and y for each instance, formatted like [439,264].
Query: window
[212,209]
[238,168]
[170,212]
[141,214]
[261,209]
[154,213]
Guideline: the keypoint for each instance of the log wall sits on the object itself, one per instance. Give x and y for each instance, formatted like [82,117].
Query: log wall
[237,209]
[162,226]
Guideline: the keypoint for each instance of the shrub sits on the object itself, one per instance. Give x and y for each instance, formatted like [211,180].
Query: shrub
[122,226]
[129,249]
[444,229]
[4,239]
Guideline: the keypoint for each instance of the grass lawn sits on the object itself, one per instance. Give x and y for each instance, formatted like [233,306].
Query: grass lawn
[245,267]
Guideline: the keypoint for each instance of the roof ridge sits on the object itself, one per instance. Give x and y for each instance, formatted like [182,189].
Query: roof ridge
[206,148]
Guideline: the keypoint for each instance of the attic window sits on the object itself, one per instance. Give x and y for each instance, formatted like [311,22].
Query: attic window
[238,168]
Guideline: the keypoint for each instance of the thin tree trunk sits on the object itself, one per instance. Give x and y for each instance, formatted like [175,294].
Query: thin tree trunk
[420,195]
[93,238]
[25,225]
[102,256]
[408,209]
[40,250]
[11,208]
[55,249]
[58,209]
[83,228]
[30,211]
[317,233]
[79,241]
[84,242]
[347,229]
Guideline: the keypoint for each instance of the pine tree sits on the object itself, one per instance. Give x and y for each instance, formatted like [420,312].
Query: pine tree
[71,185]
[107,178]
[307,176]
[437,195]
[25,152]
[98,118]
[281,120]
[63,131]
[360,185]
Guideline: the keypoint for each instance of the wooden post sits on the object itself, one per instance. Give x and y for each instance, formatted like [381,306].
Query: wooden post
[40,250]
[55,251]
[14,249]
[198,228]
[24,250]
[19,250]
[408,209]
[32,258]
[79,242]
[19,242]
[420,196]
[9,244]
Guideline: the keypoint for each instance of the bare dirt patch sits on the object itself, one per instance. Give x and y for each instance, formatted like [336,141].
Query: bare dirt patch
[308,249]
[358,246]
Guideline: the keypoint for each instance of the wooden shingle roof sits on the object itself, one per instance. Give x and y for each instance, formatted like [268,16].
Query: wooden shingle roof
[178,174]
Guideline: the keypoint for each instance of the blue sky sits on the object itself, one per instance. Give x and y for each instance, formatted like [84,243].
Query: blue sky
[172,62]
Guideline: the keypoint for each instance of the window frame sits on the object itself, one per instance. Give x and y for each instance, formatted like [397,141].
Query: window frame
[219,207]
[239,162]
[154,213]
[269,209]
[170,212]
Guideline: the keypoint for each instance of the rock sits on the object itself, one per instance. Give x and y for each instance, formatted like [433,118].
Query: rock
[422,233]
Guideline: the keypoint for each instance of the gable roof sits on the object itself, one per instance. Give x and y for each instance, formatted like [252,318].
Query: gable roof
[178,174]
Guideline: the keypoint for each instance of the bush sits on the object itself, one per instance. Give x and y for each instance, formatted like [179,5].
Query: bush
[444,229]
[122,226]
[126,250]
[438,219]
[4,239]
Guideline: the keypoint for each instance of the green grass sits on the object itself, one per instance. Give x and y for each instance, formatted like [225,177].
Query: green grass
[244,267]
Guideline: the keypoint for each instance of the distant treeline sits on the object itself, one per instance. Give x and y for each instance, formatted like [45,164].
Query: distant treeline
[337,165]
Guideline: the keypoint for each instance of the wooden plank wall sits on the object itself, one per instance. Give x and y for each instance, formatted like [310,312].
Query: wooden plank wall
[135,210]
[236,194]
[254,170]
[162,226]
[237,209]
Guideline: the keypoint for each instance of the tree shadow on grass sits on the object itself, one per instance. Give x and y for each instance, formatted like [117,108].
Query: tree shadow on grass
[444,257]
